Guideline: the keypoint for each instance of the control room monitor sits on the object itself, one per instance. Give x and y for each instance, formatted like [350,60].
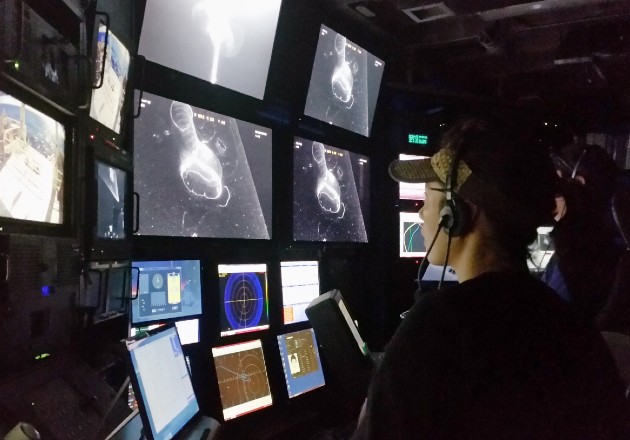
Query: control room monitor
[242,378]
[228,43]
[344,84]
[162,384]
[300,286]
[169,289]
[32,155]
[300,362]
[200,173]
[331,193]
[244,298]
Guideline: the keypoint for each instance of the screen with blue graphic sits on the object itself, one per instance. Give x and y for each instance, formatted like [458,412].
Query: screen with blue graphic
[162,384]
[243,290]
[411,239]
[165,290]
[300,362]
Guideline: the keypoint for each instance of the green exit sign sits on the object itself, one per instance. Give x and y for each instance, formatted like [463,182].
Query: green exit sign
[421,139]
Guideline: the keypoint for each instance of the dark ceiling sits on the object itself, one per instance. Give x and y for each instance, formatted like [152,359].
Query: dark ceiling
[569,57]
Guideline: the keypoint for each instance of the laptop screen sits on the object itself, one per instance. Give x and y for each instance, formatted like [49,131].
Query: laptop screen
[162,384]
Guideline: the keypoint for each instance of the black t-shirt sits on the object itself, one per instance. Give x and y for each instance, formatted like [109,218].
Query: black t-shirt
[496,357]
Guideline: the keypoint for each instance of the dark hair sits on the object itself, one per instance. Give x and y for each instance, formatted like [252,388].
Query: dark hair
[501,150]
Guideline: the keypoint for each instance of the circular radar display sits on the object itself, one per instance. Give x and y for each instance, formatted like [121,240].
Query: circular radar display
[243,300]
[252,383]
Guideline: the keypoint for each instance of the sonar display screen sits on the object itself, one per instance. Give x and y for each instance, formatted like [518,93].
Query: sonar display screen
[201,174]
[243,290]
[111,195]
[331,193]
[344,85]
[32,147]
[242,378]
[165,290]
[300,362]
[107,100]
[228,43]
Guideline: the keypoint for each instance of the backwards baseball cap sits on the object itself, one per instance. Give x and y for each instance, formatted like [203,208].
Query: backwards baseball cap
[504,173]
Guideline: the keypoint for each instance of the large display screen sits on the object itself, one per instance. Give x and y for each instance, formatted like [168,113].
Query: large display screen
[331,193]
[201,174]
[243,290]
[411,239]
[242,378]
[228,43]
[165,290]
[108,100]
[300,286]
[162,384]
[300,362]
[111,194]
[345,82]
[411,191]
[32,152]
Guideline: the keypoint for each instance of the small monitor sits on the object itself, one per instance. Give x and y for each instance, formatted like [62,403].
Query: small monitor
[541,250]
[243,290]
[32,146]
[228,43]
[331,193]
[300,362]
[201,174]
[111,195]
[411,191]
[411,239]
[345,83]
[188,330]
[242,378]
[300,286]
[165,290]
[162,384]
[111,74]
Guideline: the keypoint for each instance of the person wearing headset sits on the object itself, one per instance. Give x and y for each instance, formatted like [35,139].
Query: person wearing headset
[586,251]
[500,355]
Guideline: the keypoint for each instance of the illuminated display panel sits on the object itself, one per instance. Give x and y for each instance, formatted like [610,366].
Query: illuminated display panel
[162,384]
[541,250]
[242,378]
[243,290]
[411,191]
[111,194]
[188,330]
[300,285]
[201,174]
[108,100]
[228,43]
[31,163]
[300,362]
[344,84]
[331,193]
[165,290]
[411,239]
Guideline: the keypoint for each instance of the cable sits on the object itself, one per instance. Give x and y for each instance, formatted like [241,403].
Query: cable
[448,252]
[425,261]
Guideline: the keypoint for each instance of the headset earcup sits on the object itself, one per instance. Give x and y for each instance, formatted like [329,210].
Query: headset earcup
[447,217]
[457,217]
